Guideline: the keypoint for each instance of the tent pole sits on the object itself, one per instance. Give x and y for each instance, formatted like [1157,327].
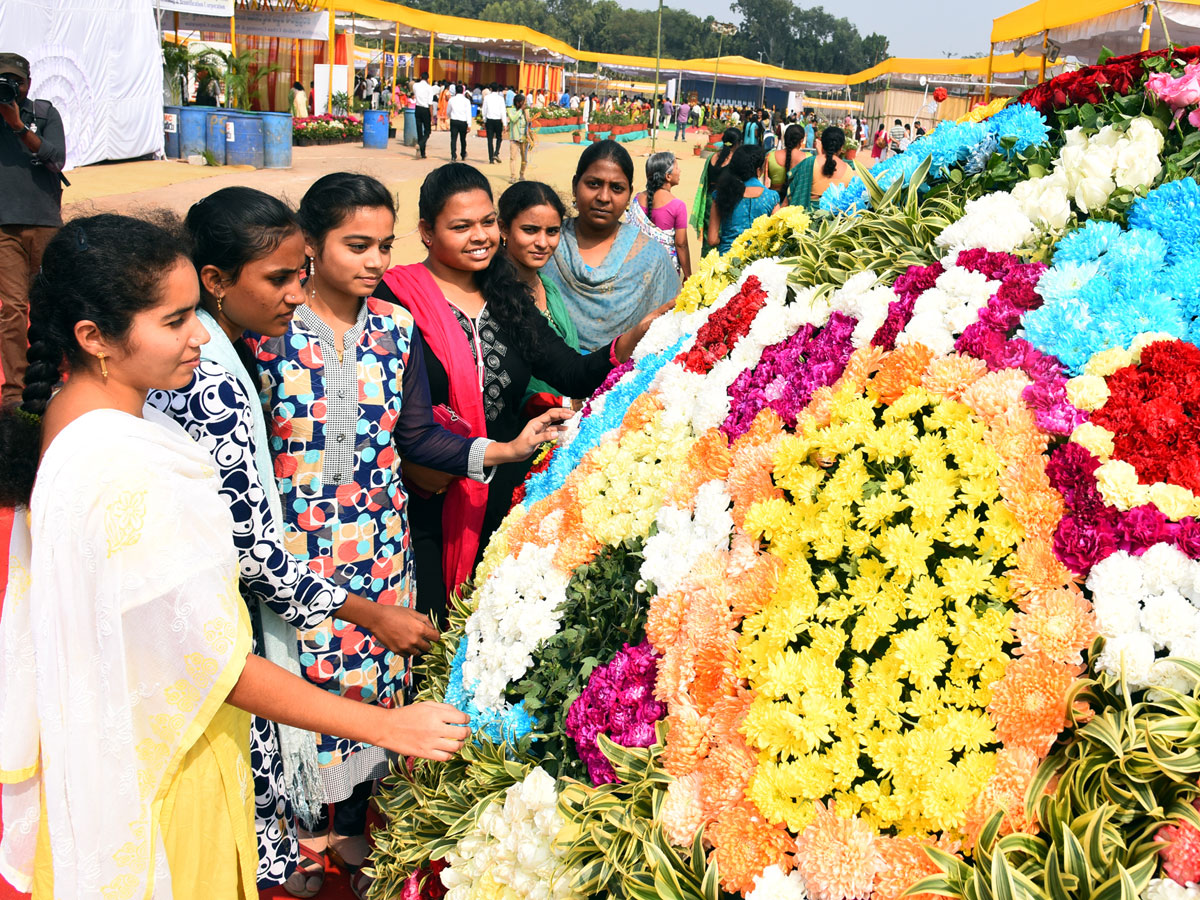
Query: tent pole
[717,65]
[521,70]
[396,57]
[1146,26]
[987,90]
[431,78]
[1045,45]
[332,54]
[654,105]
[177,38]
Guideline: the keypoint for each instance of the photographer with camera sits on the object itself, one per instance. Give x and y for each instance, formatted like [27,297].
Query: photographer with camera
[32,155]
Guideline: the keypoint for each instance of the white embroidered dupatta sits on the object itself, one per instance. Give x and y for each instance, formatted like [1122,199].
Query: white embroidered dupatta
[122,633]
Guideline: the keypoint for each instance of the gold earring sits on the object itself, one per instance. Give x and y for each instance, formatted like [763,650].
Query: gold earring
[220,301]
[103,367]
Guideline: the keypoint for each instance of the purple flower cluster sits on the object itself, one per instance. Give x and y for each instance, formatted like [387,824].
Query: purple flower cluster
[988,338]
[619,702]
[789,372]
[1090,530]
[612,378]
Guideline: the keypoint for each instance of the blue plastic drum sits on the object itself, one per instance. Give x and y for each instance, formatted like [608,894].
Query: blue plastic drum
[192,123]
[375,129]
[244,140]
[171,131]
[214,135]
[277,139]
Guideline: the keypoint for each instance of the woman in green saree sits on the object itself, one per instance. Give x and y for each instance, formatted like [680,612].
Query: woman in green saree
[531,216]
[807,182]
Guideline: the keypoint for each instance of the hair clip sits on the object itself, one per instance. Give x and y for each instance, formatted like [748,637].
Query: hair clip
[28,416]
[81,239]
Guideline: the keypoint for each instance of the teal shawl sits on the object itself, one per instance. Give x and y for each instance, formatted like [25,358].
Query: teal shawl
[301,772]
[561,322]
[635,278]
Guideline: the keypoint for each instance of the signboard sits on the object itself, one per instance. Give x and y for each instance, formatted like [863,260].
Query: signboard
[405,60]
[341,84]
[305,26]
[197,7]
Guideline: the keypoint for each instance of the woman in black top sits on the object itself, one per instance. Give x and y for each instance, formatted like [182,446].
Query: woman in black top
[483,339]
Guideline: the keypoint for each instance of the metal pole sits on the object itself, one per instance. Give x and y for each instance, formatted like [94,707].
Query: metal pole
[1042,67]
[332,54]
[431,57]
[1146,26]
[657,64]
[716,66]
[396,57]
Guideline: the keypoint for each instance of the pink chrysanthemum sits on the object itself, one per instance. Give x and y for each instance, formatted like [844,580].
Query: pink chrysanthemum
[837,856]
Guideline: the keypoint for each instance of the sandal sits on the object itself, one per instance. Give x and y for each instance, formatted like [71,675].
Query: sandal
[360,881]
[311,868]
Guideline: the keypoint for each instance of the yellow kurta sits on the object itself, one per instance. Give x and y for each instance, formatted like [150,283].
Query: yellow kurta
[207,818]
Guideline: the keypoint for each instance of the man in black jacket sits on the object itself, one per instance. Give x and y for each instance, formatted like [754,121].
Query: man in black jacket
[32,155]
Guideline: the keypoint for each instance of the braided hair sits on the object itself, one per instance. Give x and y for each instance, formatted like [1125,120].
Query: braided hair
[103,269]
[658,169]
[744,165]
[832,139]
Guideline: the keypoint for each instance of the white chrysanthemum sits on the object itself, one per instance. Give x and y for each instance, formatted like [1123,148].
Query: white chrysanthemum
[1168,616]
[683,537]
[994,222]
[1167,889]
[516,611]
[1132,654]
[772,884]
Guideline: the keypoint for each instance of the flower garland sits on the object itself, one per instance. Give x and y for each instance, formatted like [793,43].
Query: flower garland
[619,702]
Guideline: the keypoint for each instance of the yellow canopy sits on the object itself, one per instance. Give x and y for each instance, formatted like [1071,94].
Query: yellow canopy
[1081,28]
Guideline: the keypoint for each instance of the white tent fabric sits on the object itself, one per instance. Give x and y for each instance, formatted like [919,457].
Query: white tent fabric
[1119,31]
[99,62]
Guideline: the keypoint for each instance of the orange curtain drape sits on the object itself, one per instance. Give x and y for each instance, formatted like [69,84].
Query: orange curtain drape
[273,93]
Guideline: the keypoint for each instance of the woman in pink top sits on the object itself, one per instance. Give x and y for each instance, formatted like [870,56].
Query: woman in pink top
[659,214]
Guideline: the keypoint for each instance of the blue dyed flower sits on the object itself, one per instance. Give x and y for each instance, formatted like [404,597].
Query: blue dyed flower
[1021,123]
[1088,243]
[1172,210]
[1062,282]
[509,725]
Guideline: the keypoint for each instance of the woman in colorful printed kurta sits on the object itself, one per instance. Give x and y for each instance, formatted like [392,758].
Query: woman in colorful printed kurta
[343,383]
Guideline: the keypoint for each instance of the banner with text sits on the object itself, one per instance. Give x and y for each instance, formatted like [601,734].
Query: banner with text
[305,26]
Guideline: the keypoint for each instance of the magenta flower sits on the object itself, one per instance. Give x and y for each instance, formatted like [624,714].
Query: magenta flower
[618,701]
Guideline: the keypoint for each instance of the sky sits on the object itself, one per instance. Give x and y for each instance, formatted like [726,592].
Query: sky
[921,28]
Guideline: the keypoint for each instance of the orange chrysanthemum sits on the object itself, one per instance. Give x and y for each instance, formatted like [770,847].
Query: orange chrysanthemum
[1016,438]
[681,813]
[764,429]
[1006,790]
[707,460]
[1031,499]
[641,413]
[744,844]
[995,394]
[837,856]
[728,714]
[724,775]
[749,480]
[675,673]
[1057,624]
[687,740]
[901,369]
[1038,568]
[951,375]
[664,620]
[1029,704]
[863,363]
[751,589]
[904,863]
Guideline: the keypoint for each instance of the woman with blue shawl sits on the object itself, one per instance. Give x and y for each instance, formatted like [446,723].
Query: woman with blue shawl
[609,273]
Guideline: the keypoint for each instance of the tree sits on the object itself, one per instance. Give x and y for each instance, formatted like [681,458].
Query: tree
[875,48]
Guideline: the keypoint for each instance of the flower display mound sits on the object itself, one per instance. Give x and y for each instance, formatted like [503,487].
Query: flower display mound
[863,580]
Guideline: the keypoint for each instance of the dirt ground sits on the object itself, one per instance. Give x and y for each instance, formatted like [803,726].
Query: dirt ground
[128,187]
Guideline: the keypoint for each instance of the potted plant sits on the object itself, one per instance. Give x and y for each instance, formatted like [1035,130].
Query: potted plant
[850,149]
[234,70]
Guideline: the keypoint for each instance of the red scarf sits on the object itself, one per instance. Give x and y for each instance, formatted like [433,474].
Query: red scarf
[466,500]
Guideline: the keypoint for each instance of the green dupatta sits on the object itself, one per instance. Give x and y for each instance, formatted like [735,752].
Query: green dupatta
[560,321]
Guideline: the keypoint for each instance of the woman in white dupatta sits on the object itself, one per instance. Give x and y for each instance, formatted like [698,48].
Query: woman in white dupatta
[127,680]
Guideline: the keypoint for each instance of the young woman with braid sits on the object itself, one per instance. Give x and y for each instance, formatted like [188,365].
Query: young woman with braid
[129,678]
[740,197]
[808,183]
[781,162]
[731,139]
[661,215]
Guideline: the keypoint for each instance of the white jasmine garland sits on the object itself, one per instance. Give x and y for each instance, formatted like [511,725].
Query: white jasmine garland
[518,608]
[513,846]
[1147,607]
